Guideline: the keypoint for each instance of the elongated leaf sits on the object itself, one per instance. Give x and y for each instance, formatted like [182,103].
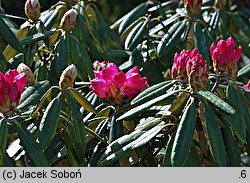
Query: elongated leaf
[82,101]
[213,24]
[9,36]
[149,123]
[232,149]
[145,106]
[147,136]
[235,121]
[167,155]
[202,41]
[152,92]
[49,122]
[245,70]
[3,139]
[132,16]
[3,62]
[215,138]
[243,25]
[184,135]
[121,142]
[217,102]
[32,94]
[170,39]
[77,130]
[119,53]
[36,37]
[31,147]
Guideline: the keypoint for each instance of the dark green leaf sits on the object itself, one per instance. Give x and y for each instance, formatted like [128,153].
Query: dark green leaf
[32,94]
[31,147]
[3,139]
[141,108]
[9,36]
[215,138]
[184,135]
[217,102]
[152,92]
[49,122]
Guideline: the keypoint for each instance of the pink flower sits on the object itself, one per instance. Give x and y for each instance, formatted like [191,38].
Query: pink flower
[193,7]
[190,68]
[118,87]
[225,56]
[247,86]
[12,84]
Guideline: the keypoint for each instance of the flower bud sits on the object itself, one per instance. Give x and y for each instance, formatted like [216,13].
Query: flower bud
[32,9]
[98,66]
[68,77]
[193,7]
[22,68]
[68,20]
[190,68]
[220,3]
[224,57]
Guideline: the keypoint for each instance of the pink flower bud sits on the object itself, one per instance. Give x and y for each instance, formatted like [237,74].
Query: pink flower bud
[190,68]
[68,20]
[193,7]
[224,57]
[12,84]
[118,87]
[22,68]
[68,77]
[32,9]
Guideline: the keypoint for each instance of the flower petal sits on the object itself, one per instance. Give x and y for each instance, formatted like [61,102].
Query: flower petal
[109,72]
[21,81]
[119,80]
[101,87]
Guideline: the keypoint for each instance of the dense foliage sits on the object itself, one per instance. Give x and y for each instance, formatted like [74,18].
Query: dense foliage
[166,85]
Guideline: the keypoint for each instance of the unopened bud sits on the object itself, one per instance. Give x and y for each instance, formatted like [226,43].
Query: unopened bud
[220,3]
[32,9]
[68,77]
[193,7]
[68,21]
[22,68]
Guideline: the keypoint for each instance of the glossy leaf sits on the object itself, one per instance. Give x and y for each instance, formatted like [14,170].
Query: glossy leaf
[49,122]
[32,148]
[145,106]
[32,94]
[9,36]
[184,135]
[82,101]
[217,146]
[152,92]
[217,102]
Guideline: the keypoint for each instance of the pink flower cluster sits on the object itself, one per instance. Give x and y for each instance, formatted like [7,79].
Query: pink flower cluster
[225,56]
[12,84]
[118,87]
[190,68]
